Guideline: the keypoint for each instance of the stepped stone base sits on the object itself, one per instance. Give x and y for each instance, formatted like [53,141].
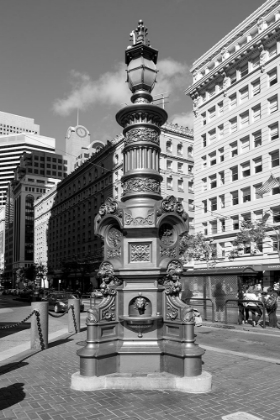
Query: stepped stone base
[151,381]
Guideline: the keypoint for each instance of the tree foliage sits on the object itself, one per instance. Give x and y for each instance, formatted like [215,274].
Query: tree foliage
[251,235]
[198,247]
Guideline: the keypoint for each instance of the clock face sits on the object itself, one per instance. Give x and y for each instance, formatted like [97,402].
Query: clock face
[81,132]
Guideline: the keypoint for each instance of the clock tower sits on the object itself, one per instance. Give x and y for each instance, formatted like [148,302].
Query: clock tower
[76,138]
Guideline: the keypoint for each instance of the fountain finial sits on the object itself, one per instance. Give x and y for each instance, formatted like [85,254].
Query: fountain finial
[139,35]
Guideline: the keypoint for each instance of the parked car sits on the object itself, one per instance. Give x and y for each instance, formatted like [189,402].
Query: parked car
[58,301]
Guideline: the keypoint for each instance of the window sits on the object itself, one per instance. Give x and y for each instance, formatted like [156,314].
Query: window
[212,158]
[274,158]
[234,173]
[233,125]
[213,181]
[257,136]
[180,148]
[246,170]
[205,230]
[256,187]
[232,100]
[275,244]
[255,62]
[190,187]
[211,91]
[214,227]
[190,169]
[204,162]
[273,104]
[180,185]
[222,201]
[244,119]
[204,203]
[169,183]
[169,164]
[212,113]
[246,195]
[204,184]
[222,252]
[243,70]
[276,190]
[203,118]
[222,177]
[234,150]
[245,144]
[221,154]
[256,87]
[244,94]
[234,198]
[232,78]
[272,77]
[256,113]
[272,51]
[274,131]
[213,203]
[276,215]
[191,205]
[169,146]
[190,151]
[221,131]
[235,222]
[180,167]
[258,215]
[220,108]
[258,165]
[212,135]
[203,138]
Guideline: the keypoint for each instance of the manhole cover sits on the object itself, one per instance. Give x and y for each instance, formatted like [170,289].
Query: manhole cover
[240,415]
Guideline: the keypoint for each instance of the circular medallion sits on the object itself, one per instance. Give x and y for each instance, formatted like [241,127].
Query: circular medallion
[114,237]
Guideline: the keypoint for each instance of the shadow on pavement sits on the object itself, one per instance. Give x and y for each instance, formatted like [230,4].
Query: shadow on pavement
[9,367]
[11,395]
[61,341]
[5,328]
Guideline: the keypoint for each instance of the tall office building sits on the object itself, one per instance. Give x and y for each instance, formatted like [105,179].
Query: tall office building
[236,94]
[11,123]
[76,139]
[12,146]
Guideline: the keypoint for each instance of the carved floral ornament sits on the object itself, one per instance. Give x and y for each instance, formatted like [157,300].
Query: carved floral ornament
[109,207]
[141,185]
[142,134]
[170,204]
[139,221]
[141,117]
[171,281]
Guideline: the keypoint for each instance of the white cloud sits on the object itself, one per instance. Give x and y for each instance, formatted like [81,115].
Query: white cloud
[110,89]
[185,119]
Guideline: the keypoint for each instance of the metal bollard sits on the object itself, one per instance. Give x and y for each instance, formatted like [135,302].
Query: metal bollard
[40,326]
[74,317]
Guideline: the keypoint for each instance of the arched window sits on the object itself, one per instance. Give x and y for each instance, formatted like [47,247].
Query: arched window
[169,146]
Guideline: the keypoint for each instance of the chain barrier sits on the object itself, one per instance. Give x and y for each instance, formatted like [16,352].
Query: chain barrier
[6,327]
[74,317]
[37,314]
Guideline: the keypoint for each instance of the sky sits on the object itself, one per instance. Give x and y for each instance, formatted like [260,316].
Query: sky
[60,55]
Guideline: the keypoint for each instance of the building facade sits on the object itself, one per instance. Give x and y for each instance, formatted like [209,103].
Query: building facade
[65,215]
[36,174]
[12,147]
[11,123]
[2,239]
[236,94]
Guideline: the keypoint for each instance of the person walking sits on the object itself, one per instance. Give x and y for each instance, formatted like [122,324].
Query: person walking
[220,297]
[271,306]
[241,308]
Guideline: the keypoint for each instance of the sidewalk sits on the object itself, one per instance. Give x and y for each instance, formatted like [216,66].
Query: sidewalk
[37,386]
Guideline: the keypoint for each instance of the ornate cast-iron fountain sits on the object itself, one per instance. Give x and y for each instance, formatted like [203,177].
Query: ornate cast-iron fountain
[141,325]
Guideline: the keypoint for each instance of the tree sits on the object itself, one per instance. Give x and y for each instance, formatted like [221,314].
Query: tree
[199,248]
[252,236]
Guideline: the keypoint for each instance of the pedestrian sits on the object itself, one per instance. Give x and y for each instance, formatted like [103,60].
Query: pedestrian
[186,295]
[270,300]
[252,306]
[220,297]
[241,308]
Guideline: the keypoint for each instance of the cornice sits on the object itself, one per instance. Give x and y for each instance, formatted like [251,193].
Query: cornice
[236,33]
[178,130]
[261,39]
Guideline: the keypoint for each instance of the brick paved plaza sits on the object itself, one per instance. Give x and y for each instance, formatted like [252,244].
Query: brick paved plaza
[39,388]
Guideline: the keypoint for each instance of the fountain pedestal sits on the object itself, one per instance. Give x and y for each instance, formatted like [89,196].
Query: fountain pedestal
[141,334]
